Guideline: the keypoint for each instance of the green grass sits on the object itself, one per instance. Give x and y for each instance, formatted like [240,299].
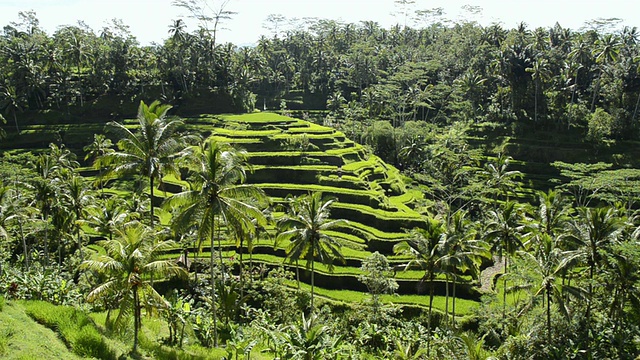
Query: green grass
[76,328]
[258,118]
[463,306]
[23,338]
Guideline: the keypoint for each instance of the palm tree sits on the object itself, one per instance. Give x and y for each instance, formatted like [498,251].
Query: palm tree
[461,251]
[152,150]
[106,216]
[545,261]
[78,197]
[606,51]
[539,73]
[131,259]
[504,230]
[217,195]
[305,226]
[100,147]
[591,234]
[498,177]
[423,249]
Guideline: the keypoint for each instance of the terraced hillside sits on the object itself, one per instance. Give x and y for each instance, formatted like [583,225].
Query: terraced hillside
[291,157]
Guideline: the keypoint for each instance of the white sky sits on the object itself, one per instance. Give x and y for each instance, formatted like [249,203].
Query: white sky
[149,19]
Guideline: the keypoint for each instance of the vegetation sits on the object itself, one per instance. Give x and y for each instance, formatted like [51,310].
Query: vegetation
[456,184]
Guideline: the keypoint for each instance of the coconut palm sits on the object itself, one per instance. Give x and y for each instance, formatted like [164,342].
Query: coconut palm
[100,147]
[424,252]
[544,260]
[105,216]
[130,260]
[78,197]
[152,150]
[461,252]
[217,195]
[305,226]
[504,230]
[590,236]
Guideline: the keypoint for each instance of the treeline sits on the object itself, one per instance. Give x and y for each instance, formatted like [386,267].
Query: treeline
[549,78]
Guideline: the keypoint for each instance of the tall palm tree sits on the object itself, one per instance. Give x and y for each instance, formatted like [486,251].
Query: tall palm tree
[504,230]
[461,251]
[217,195]
[78,197]
[592,233]
[606,51]
[305,226]
[545,261]
[424,252]
[129,262]
[540,72]
[151,150]
[100,147]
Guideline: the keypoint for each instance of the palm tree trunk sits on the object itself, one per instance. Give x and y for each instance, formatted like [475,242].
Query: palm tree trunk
[136,319]
[573,97]
[446,297]
[15,120]
[548,315]
[635,110]
[151,199]
[213,285]
[24,246]
[46,241]
[241,268]
[595,92]
[298,274]
[504,291]
[312,281]
[430,313]
[453,317]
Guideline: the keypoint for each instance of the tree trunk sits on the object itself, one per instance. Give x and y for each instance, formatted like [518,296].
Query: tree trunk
[151,199]
[312,281]
[213,285]
[430,314]
[24,246]
[548,315]
[453,318]
[15,120]
[446,297]
[136,319]
[241,268]
[46,240]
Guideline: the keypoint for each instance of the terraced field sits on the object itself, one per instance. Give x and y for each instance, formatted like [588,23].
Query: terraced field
[291,157]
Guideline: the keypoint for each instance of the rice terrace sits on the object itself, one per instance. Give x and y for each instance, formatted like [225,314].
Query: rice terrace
[440,188]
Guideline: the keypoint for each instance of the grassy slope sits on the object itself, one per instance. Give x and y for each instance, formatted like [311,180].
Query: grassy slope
[26,339]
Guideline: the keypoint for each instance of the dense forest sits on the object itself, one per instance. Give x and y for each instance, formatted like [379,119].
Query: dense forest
[498,163]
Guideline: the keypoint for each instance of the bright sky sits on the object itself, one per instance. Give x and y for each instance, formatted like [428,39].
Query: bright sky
[149,19]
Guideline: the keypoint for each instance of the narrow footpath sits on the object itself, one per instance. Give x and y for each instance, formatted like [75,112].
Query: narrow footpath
[487,275]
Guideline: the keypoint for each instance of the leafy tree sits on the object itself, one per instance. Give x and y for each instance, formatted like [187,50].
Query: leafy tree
[378,277]
[304,227]
[129,261]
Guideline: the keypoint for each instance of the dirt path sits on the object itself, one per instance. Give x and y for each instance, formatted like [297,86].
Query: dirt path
[487,275]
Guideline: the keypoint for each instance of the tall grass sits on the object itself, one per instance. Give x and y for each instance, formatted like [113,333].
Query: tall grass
[75,328]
